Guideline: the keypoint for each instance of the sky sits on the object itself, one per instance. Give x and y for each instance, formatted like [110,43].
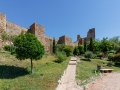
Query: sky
[66,17]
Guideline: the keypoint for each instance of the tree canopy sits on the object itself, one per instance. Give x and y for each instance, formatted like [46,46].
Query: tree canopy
[27,46]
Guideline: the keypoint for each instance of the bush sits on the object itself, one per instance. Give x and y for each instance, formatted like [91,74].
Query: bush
[116,58]
[94,56]
[110,63]
[99,55]
[68,50]
[88,55]
[60,56]
[110,56]
[9,48]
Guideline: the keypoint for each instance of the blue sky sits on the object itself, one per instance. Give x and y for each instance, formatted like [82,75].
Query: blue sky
[66,17]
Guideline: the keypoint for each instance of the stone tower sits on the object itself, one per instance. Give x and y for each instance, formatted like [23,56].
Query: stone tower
[91,33]
[78,37]
[38,30]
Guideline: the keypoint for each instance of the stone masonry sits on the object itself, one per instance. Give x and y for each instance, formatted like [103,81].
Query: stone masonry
[39,31]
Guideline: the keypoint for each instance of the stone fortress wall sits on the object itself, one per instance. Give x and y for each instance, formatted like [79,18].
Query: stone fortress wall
[39,31]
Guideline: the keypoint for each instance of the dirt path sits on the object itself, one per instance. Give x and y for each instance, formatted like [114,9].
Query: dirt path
[67,81]
[109,82]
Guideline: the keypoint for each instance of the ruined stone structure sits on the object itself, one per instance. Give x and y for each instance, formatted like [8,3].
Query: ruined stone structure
[90,34]
[65,40]
[39,31]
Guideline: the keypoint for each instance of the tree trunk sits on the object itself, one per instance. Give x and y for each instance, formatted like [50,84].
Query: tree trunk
[31,66]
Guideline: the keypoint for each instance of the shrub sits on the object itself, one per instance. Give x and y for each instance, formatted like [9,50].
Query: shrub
[99,55]
[110,56]
[68,50]
[110,63]
[94,56]
[9,48]
[88,55]
[116,58]
[60,57]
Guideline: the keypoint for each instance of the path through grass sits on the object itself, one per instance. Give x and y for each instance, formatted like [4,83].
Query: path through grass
[14,74]
[85,69]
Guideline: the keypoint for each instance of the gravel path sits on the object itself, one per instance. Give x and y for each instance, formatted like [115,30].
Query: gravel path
[109,82]
[67,81]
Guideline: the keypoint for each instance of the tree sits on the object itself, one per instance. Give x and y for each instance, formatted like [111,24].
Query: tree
[91,44]
[96,44]
[81,49]
[105,45]
[27,46]
[88,54]
[60,47]
[75,51]
[54,46]
[85,46]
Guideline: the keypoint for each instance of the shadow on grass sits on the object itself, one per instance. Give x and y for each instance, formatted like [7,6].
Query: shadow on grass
[58,61]
[117,66]
[85,59]
[11,72]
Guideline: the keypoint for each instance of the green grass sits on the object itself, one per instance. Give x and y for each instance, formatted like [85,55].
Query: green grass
[15,74]
[85,69]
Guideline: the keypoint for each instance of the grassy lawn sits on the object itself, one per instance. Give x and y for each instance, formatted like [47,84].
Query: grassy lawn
[15,74]
[85,69]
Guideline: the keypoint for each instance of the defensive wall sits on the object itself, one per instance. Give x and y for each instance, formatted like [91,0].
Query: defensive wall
[39,31]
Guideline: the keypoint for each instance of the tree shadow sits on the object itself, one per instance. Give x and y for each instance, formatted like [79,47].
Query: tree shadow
[85,59]
[11,72]
[58,61]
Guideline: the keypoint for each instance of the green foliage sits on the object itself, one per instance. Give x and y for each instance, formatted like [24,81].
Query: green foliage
[105,45]
[60,47]
[100,55]
[75,51]
[68,50]
[88,54]
[4,36]
[110,63]
[8,37]
[85,46]
[61,56]
[115,41]
[94,56]
[111,51]
[27,46]
[8,48]
[91,45]
[96,44]
[54,46]
[14,74]
[81,49]
[116,58]
[118,50]
[110,56]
